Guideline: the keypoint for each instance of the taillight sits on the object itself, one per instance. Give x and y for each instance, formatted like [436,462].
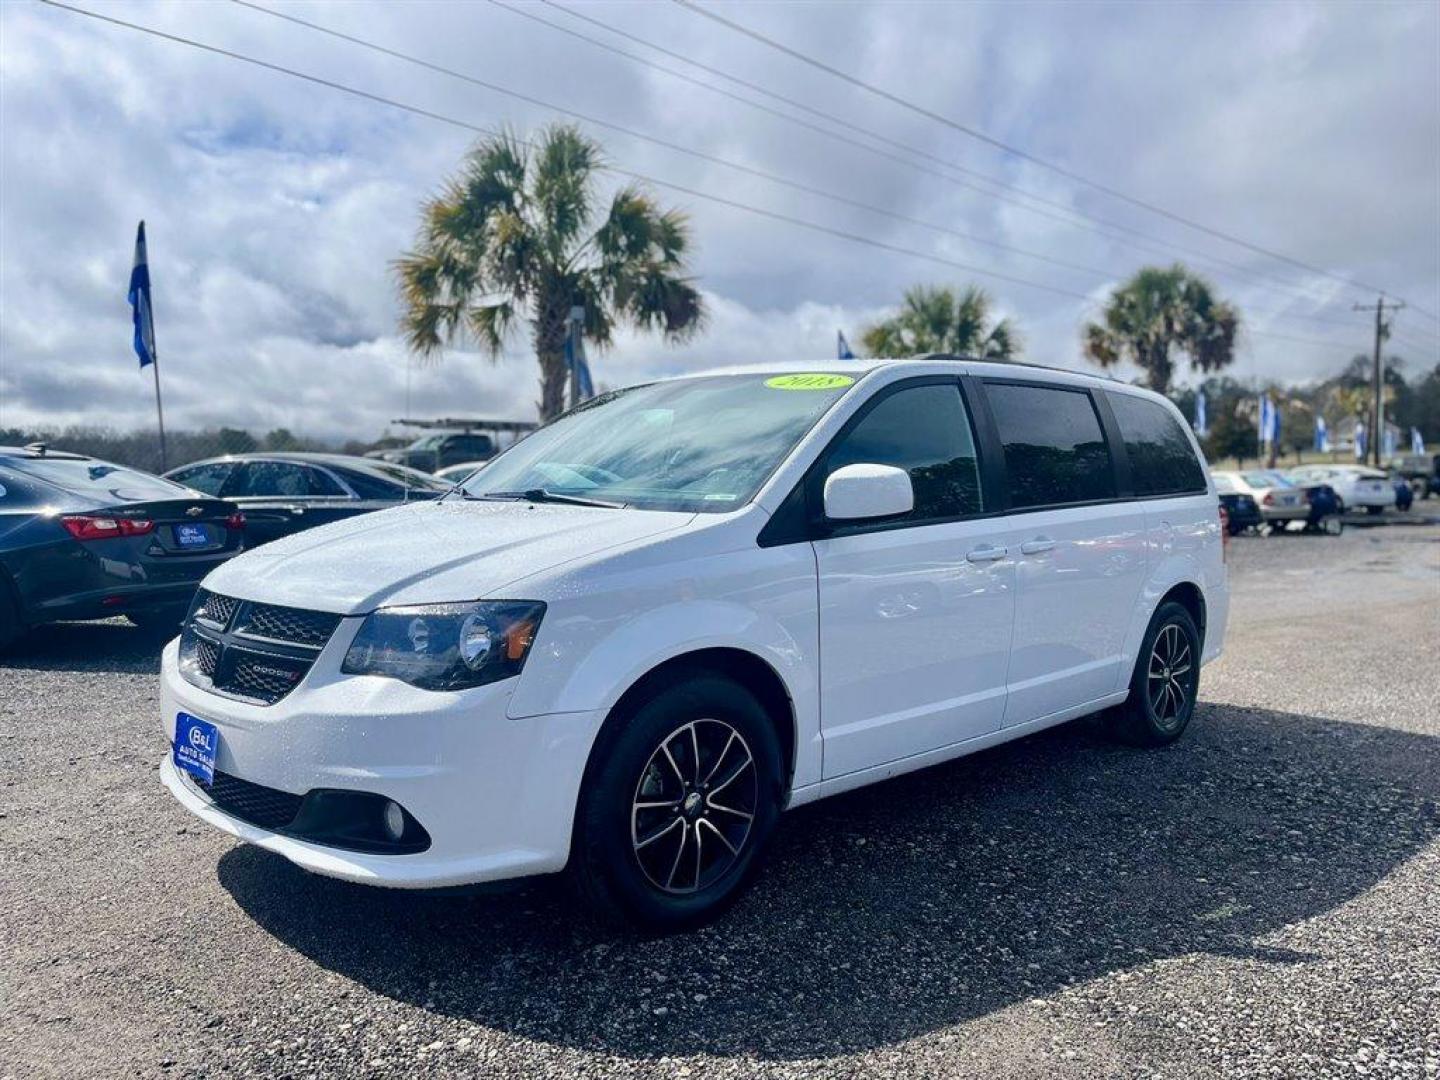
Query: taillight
[1269,499]
[1224,535]
[235,521]
[96,527]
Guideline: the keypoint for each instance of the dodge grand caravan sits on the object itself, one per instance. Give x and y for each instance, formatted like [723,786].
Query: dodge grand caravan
[629,643]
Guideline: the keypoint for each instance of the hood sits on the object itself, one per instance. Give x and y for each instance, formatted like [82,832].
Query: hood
[429,553]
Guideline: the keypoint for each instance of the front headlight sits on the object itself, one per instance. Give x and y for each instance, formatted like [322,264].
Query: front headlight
[446,646]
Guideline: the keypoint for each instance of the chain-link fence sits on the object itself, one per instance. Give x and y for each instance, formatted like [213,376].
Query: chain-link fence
[141,449]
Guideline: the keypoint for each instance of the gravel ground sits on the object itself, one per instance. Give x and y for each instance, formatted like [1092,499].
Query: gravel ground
[1258,900]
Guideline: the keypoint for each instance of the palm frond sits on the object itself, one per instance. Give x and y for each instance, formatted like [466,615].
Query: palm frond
[561,185]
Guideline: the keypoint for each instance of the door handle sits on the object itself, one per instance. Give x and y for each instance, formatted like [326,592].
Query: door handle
[985,554]
[1036,546]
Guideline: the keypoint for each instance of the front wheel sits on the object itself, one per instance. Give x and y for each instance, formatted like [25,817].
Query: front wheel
[678,803]
[1164,684]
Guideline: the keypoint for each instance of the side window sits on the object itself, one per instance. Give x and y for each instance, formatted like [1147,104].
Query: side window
[923,430]
[371,487]
[268,479]
[471,447]
[1055,450]
[208,478]
[1162,461]
[321,483]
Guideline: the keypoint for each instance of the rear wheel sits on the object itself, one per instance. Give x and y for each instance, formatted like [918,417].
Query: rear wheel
[11,625]
[1165,681]
[677,805]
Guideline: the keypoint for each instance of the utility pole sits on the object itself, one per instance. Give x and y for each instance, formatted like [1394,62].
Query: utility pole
[1377,406]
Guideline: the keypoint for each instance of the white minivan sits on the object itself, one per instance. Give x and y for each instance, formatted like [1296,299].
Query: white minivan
[637,636]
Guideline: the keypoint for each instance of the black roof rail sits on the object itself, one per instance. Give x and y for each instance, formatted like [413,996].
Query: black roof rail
[962,359]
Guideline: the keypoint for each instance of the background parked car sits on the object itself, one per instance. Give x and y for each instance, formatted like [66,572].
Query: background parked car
[1326,509]
[1280,501]
[1422,471]
[81,538]
[453,474]
[1241,509]
[287,493]
[441,449]
[1356,485]
[1404,493]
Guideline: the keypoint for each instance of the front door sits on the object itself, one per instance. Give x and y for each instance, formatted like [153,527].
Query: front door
[915,614]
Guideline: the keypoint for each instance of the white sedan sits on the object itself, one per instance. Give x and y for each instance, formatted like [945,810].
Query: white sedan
[1356,485]
[1279,500]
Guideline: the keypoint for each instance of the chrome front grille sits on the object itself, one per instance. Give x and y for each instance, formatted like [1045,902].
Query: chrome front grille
[251,651]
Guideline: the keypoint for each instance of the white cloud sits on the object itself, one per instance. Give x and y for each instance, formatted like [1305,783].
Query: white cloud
[274,207]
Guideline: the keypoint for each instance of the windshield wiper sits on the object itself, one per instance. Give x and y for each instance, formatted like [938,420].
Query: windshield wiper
[545,495]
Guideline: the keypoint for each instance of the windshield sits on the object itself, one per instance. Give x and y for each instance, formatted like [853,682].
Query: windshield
[1266,479]
[704,444]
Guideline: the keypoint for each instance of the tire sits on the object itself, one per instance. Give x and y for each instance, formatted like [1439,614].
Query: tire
[1171,640]
[628,861]
[161,620]
[12,626]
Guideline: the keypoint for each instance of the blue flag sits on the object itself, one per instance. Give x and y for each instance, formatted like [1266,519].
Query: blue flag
[1417,441]
[140,302]
[1360,442]
[1202,426]
[1322,435]
[842,347]
[1388,438]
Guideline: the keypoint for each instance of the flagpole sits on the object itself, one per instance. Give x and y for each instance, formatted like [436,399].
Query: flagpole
[159,409]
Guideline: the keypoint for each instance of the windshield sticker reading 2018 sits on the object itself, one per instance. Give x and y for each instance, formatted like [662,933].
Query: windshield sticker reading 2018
[808,382]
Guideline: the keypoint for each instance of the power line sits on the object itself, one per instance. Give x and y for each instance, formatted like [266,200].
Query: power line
[667,144]
[702,155]
[681,188]
[981,136]
[1071,216]
[479,129]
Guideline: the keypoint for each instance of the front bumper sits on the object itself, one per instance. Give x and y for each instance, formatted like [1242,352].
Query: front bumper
[497,795]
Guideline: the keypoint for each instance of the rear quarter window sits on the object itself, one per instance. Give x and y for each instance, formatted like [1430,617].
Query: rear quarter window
[208,478]
[1162,461]
[1055,449]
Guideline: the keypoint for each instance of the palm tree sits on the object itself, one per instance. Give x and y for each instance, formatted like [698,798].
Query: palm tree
[940,320]
[513,237]
[1159,310]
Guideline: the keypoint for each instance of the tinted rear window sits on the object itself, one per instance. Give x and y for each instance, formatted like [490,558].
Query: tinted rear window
[1162,461]
[1055,450]
[98,479]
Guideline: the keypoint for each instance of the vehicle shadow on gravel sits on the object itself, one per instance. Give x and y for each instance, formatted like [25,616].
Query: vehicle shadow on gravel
[110,646]
[916,904]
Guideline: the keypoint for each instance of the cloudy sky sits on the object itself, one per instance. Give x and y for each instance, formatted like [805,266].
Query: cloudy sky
[274,206]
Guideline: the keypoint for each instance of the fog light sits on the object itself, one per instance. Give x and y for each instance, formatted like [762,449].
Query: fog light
[394,819]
